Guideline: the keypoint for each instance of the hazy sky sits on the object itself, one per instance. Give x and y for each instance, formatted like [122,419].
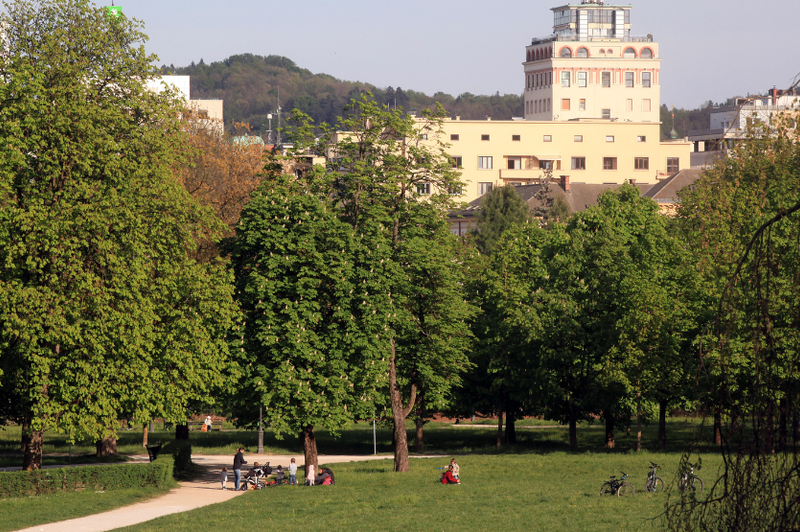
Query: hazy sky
[710,49]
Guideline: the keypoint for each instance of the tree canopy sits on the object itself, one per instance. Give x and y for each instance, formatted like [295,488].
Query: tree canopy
[103,314]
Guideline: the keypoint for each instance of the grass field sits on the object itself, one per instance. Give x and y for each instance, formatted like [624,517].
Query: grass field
[30,511]
[553,491]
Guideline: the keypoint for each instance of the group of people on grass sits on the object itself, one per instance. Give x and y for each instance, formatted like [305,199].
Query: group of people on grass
[324,478]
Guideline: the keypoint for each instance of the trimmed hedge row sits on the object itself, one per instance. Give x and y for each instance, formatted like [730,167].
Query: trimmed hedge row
[106,478]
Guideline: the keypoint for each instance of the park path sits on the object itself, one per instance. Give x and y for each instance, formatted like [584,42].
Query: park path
[199,492]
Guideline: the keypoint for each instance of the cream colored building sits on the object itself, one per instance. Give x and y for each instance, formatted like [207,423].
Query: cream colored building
[519,152]
[210,110]
[592,98]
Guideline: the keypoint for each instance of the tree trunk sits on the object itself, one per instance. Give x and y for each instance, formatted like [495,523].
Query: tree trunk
[573,426]
[662,424]
[609,431]
[106,446]
[768,436]
[26,425]
[181,432]
[511,429]
[310,447]
[32,456]
[638,421]
[783,428]
[499,442]
[144,435]
[717,426]
[419,444]
[398,416]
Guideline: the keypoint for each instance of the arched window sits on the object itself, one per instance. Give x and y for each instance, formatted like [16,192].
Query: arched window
[566,52]
[646,53]
[630,53]
[582,52]
[602,52]
[538,54]
[610,51]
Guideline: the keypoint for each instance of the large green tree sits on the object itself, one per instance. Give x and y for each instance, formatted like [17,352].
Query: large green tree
[392,182]
[102,312]
[501,209]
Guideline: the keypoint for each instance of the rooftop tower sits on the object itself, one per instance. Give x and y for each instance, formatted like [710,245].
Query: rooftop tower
[592,67]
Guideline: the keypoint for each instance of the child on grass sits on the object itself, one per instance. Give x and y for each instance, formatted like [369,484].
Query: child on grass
[293,473]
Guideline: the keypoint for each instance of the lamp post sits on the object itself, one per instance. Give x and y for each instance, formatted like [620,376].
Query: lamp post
[269,131]
[260,430]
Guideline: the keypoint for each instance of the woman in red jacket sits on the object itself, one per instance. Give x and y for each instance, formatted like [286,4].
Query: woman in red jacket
[448,477]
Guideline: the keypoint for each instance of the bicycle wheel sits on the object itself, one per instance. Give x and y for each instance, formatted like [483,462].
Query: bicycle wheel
[657,485]
[625,490]
[697,484]
[606,489]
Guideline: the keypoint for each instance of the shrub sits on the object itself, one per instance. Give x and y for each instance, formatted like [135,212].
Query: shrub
[182,458]
[106,478]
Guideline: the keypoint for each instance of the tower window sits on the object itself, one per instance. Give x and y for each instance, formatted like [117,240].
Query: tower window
[565,104]
[582,76]
[630,53]
[606,79]
[566,52]
[582,52]
[565,79]
[629,79]
[646,53]
[646,79]
[606,114]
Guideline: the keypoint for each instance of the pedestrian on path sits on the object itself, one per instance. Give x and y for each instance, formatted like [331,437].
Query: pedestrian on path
[238,460]
[224,477]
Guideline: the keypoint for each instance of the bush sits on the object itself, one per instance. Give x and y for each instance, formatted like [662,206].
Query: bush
[182,458]
[106,478]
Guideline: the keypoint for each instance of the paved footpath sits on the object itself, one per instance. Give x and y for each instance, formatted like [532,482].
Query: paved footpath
[190,495]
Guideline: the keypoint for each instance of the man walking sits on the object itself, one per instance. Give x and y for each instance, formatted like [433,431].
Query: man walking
[238,460]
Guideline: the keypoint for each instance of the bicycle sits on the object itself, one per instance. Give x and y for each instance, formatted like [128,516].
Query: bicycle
[653,483]
[689,481]
[617,486]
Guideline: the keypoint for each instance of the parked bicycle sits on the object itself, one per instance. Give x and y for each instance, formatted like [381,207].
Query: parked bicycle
[617,486]
[689,481]
[653,483]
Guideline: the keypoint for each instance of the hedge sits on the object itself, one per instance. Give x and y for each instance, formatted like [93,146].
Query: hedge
[106,478]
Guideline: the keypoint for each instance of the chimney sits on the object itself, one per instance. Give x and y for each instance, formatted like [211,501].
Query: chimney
[632,181]
[488,117]
[565,183]
[458,117]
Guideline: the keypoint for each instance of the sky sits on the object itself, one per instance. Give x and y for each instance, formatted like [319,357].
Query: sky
[710,49]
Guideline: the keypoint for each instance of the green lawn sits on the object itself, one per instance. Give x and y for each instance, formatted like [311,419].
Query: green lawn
[536,491]
[31,511]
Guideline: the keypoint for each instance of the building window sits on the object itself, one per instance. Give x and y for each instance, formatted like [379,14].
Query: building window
[545,165]
[630,53]
[641,163]
[606,114]
[647,78]
[424,189]
[605,79]
[547,138]
[582,79]
[609,138]
[565,78]
[565,104]
[565,52]
[454,136]
[548,104]
[515,137]
[579,163]
[673,165]
[484,188]
[515,163]
[455,190]
[629,104]
[646,105]
[457,161]
[578,138]
[424,136]
[485,163]
[646,53]
[582,52]
[582,104]
[629,79]
[641,138]
[609,163]
[484,137]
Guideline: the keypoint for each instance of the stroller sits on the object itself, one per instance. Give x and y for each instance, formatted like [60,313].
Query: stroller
[255,479]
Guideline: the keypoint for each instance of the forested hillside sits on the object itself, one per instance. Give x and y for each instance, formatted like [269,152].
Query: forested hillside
[250,84]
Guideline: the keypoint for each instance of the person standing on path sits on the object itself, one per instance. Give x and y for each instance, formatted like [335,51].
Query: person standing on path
[238,460]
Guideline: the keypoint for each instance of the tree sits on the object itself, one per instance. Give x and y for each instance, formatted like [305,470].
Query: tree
[103,314]
[392,181]
[299,285]
[501,208]
[742,224]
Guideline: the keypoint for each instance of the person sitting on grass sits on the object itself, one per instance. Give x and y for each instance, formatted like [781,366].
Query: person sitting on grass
[325,477]
[448,477]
